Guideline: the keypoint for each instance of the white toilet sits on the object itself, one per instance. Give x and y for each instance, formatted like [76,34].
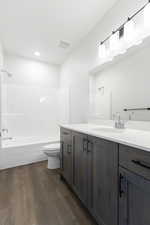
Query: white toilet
[52,151]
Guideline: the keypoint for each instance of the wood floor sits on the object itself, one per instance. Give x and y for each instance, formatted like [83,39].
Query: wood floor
[34,195]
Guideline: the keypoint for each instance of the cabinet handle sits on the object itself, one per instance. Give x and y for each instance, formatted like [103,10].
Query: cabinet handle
[65,133]
[85,144]
[142,164]
[69,147]
[90,147]
[121,191]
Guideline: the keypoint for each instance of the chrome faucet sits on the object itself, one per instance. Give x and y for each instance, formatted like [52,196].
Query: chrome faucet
[119,124]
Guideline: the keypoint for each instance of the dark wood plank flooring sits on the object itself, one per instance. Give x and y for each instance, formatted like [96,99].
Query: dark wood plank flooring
[34,195]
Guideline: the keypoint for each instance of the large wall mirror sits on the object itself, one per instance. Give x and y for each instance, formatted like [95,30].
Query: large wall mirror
[123,85]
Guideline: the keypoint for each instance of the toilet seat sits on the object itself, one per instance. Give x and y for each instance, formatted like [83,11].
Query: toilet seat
[52,150]
[50,153]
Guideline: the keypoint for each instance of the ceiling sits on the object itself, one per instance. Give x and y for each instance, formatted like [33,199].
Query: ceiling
[27,26]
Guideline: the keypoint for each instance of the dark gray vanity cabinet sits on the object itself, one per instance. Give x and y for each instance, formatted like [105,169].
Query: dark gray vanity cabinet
[112,180]
[81,166]
[134,197]
[104,181]
[66,155]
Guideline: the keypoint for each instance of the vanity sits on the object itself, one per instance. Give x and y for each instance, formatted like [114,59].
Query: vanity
[109,170]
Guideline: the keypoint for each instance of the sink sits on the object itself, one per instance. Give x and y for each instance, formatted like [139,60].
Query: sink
[108,129]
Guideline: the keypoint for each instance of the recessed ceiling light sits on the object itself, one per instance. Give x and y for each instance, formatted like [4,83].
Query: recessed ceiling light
[37,53]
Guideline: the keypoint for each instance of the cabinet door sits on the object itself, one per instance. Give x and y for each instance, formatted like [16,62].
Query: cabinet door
[134,201]
[104,181]
[80,166]
[66,155]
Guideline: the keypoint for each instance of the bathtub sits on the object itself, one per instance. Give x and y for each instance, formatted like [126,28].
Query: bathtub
[23,150]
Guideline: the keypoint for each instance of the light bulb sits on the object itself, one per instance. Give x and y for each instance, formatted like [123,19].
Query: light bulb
[147,16]
[138,37]
[129,33]
[122,46]
[147,20]
[114,43]
[102,51]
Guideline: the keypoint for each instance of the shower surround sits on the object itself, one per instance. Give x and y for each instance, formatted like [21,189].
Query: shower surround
[31,110]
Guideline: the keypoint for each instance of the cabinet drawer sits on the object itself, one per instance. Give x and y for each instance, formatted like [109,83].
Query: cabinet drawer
[65,131]
[135,160]
[65,135]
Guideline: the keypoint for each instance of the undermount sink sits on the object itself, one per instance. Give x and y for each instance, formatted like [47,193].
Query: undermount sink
[108,129]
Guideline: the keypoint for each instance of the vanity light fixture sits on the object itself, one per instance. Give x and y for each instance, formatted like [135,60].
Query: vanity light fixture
[126,36]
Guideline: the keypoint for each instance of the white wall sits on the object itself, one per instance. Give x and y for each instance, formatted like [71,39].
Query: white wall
[30,72]
[74,72]
[30,98]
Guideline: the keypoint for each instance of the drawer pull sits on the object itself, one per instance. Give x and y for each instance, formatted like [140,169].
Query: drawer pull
[142,164]
[65,133]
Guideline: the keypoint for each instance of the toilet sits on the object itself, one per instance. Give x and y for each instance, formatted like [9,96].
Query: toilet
[52,151]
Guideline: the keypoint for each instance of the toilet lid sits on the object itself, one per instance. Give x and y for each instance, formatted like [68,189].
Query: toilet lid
[52,147]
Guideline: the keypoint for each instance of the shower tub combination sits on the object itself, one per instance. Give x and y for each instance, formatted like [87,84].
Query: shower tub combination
[29,120]
[24,150]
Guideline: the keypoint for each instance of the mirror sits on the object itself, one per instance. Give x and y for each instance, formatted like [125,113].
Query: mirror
[123,85]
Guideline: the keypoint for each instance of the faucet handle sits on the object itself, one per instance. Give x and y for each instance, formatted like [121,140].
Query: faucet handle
[119,123]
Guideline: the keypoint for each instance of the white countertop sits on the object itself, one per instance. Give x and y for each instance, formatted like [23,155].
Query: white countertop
[131,137]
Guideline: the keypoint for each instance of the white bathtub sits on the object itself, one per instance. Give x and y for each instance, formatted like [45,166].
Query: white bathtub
[23,150]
